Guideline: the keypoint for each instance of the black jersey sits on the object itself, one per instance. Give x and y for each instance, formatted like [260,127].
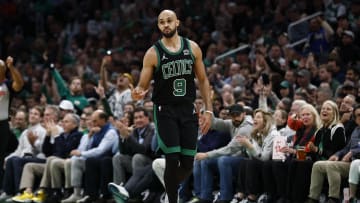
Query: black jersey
[174,75]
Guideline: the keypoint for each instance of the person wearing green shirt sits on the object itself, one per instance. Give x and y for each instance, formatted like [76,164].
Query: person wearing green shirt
[20,123]
[73,93]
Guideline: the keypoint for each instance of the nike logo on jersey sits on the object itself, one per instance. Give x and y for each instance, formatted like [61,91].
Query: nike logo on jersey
[164,57]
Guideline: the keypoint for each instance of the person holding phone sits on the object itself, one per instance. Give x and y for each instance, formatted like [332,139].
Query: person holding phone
[267,98]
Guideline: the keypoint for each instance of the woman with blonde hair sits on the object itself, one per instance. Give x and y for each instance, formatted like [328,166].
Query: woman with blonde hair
[259,148]
[305,123]
[329,138]
[331,135]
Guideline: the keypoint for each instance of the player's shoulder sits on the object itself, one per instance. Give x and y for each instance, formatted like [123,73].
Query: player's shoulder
[192,44]
[150,57]
[194,47]
[151,51]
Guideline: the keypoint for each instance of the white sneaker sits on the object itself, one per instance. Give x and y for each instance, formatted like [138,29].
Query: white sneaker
[164,198]
[145,194]
[118,190]
[4,196]
[73,198]
[263,198]
[84,199]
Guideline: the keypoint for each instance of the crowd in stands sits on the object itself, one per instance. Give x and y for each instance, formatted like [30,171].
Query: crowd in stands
[74,117]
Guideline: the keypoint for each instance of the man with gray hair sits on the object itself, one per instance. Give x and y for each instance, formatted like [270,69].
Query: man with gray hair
[102,140]
[51,171]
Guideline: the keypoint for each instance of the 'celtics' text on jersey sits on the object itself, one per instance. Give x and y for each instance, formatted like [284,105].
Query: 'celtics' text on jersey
[174,74]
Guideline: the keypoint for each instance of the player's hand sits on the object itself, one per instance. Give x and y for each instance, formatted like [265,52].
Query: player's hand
[138,93]
[205,122]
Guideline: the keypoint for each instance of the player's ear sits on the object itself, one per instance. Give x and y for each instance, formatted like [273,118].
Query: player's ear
[177,23]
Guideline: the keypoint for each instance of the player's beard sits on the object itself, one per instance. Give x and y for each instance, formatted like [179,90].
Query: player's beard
[170,34]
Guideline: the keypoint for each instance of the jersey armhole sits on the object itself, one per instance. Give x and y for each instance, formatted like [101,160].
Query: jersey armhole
[158,58]
[187,41]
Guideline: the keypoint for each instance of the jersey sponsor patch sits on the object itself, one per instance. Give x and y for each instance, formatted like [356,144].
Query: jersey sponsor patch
[186,52]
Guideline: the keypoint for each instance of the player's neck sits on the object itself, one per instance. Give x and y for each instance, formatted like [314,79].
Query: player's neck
[173,43]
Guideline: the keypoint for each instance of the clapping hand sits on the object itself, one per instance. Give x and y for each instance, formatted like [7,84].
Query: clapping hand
[243,140]
[51,128]
[32,137]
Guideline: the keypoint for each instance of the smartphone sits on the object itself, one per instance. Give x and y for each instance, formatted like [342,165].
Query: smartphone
[265,78]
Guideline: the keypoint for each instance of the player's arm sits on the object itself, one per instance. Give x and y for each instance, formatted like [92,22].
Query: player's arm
[149,63]
[204,86]
[200,73]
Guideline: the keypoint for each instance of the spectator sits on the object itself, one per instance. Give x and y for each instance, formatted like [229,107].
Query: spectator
[140,185]
[20,123]
[28,150]
[333,10]
[280,118]
[322,94]
[335,168]
[73,93]
[286,90]
[259,147]
[326,75]
[56,152]
[225,159]
[319,37]
[305,125]
[134,146]
[121,93]
[329,138]
[348,51]
[66,107]
[233,70]
[101,141]
[303,80]
[284,104]
[275,60]
[346,114]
